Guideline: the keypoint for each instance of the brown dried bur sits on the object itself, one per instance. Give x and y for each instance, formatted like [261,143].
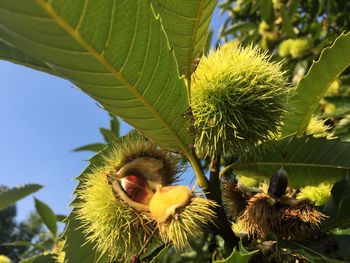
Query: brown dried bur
[260,216]
[298,219]
[235,201]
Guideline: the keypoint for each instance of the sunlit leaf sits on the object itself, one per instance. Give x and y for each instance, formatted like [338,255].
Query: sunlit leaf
[186,24]
[47,215]
[12,195]
[95,147]
[121,59]
[308,161]
[311,89]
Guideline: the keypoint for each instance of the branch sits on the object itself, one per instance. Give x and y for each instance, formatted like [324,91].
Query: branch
[222,226]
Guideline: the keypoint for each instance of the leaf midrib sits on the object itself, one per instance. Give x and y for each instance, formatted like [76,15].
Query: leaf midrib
[47,7]
[307,165]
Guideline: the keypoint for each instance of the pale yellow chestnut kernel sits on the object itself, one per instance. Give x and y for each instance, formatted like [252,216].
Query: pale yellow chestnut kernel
[167,200]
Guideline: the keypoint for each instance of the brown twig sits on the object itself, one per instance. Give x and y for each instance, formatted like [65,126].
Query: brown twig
[222,225]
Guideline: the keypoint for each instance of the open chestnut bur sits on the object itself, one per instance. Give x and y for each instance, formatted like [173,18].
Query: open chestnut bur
[133,196]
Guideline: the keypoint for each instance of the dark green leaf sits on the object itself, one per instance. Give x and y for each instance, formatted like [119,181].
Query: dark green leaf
[76,248]
[47,215]
[208,42]
[186,24]
[95,147]
[309,161]
[48,258]
[159,257]
[338,206]
[115,126]
[12,195]
[22,243]
[332,62]
[309,252]
[108,135]
[241,256]
[61,218]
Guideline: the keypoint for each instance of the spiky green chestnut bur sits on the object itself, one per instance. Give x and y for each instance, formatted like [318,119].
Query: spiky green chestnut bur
[319,194]
[238,99]
[114,199]
[293,47]
[319,129]
[117,229]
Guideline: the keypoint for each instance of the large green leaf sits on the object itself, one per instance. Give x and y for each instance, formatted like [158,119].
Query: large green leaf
[332,62]
[308,161]
[338,206]
[77,249]
[47,215]
[114,50]
[12,195]
[186,24]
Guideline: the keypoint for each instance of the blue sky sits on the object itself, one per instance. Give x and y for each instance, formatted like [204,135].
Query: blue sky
[42,119]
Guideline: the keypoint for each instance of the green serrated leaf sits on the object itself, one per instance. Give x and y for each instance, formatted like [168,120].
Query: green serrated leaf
[48,258]
[115,51]
[115,126]
[186,24]
[338,206]
[308,161]
[47,215]
[22,243]
[12,195]
[241,256]
[95,147]
[332,62]
[108,135]
[159,257]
